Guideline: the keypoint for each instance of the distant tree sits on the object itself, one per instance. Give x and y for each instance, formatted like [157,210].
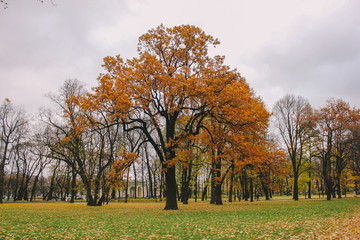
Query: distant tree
[12,122]
[292,117]
[355,150]
[333,126]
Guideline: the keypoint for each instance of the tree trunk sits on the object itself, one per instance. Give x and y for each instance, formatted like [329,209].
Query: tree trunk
[309,184]
[184,187]
[296,186]
[196,187]
[161,189]
[171,203]
[251,190]
[51,189]
[127,186]
[213,194]
[134,169]
[333,192]
[73,187]
[339,185]
[2,180]
[151,195]
[155,187]
[231,183]
[218,199]
[245,188]
[266,190]
[204,193]
[2,170]
[33,190]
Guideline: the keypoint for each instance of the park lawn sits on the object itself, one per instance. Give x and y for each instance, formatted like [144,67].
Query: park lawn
[275,219]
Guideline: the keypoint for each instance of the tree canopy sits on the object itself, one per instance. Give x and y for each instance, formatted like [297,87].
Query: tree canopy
[175,78]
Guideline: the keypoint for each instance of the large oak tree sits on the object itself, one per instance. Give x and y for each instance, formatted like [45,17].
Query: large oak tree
[175,78]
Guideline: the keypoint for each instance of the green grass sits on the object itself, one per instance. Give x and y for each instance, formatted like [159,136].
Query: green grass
[263,220]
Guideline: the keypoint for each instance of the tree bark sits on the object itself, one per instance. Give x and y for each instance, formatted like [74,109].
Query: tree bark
[296,186]
[2,180]
[266,190]
[171,203]
[73,187]
[204,193]
[231,183]
[33,190]
[251,190]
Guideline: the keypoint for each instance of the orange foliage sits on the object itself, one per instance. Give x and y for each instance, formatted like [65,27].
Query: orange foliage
[116,175]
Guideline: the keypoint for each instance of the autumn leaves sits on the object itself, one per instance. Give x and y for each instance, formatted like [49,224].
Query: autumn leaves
[175,91]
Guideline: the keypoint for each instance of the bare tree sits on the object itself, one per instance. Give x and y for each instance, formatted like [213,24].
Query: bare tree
[291,114]
[12,120]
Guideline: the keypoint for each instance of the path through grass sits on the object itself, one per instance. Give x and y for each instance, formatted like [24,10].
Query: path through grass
[258,220]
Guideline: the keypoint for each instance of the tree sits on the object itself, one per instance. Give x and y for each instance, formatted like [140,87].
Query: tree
[174,78]
[12,121]
[292,117]
[333,126]
[85,140]
[355,149]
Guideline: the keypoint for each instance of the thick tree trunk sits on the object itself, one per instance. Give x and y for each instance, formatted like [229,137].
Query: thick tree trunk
[333,192]
[296,186]
[231,183]
[266,190]
[339,185]
[52,185]
[217,184]
[251,190]
[33,190]
[171,203]
[245,188]
[73,187]
[184,195]
[20,194]
[328,188]
[218,199]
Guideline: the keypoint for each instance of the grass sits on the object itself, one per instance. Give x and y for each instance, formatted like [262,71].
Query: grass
[276,219]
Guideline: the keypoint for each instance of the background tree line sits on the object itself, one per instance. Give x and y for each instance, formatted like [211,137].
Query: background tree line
[181,124]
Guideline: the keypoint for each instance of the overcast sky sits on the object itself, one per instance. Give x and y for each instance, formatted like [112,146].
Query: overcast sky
[304,47]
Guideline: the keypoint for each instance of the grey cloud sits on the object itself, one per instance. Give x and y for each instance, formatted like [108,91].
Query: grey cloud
[319,60]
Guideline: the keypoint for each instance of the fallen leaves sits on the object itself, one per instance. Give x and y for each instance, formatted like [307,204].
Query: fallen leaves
[308,219]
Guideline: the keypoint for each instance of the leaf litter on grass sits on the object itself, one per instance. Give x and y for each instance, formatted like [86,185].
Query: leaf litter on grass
[244,220]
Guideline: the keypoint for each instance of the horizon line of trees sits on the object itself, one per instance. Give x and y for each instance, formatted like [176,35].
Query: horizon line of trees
[33,165]
[183,121]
